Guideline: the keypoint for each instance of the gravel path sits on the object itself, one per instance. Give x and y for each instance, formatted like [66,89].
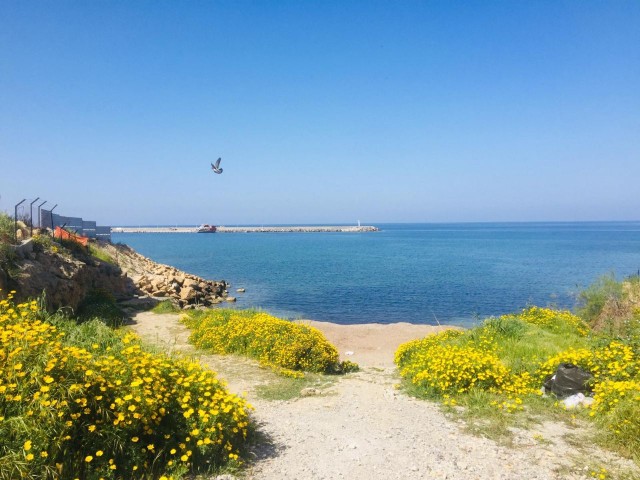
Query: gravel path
[362,428]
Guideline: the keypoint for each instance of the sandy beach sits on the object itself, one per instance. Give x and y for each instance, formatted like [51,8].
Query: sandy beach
[372,345]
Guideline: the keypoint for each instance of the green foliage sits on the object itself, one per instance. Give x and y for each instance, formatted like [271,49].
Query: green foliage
[617,411]
[73,247]
[85,401]
[7,258]
[594,298]
[7,228]
[499,367]
[42,243]
[7,254]
[166,306]
[100,304]
[285,388]
[100,254]
[507,327]
[288,347]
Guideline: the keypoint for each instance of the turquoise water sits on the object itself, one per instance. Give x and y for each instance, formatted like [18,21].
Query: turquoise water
[418,273]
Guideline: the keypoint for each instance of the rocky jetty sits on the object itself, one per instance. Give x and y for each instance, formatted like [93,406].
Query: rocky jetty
[165,282]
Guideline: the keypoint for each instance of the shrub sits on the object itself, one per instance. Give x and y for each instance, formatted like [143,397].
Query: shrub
[501,356]
[615,361]
[100,254]
[275,342]
[505,361]
[557,321]
[7,228]
[616,408]
[7,254]
[100,304]
[453,369]
[84,401]
[166,306]
[42,243]
[608,305]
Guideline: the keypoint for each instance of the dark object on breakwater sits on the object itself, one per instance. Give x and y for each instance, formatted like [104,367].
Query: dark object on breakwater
[204,228]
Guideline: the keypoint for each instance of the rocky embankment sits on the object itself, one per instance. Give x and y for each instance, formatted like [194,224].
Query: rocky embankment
[165,282]
[67,277]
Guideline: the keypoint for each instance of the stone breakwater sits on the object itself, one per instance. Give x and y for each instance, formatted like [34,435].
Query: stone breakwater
[268,229]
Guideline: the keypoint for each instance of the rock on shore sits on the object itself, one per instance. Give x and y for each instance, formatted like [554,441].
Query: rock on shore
[166,282]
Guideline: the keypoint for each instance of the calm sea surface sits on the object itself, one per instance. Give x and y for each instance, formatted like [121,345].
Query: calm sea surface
[418,273]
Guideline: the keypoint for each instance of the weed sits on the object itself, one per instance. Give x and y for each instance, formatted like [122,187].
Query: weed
[100,254]
[166,306]
[100,304]
[289,388]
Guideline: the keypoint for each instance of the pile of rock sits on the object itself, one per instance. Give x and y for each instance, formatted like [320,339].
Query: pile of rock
[166,282]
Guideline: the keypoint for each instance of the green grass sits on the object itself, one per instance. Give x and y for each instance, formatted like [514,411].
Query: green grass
[7,228]
[166,306]
[100,254]
[285,388]
[535,344]
[100,304]
[7,254]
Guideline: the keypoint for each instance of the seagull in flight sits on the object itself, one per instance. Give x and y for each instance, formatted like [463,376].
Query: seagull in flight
[216,167]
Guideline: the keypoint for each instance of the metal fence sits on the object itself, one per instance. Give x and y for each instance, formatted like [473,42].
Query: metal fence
[86,228]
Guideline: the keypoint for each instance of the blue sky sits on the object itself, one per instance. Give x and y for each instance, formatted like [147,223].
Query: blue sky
[323,111]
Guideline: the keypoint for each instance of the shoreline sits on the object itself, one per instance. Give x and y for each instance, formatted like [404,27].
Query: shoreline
[372,344]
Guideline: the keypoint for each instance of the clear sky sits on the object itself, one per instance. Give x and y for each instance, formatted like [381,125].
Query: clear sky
[322,111]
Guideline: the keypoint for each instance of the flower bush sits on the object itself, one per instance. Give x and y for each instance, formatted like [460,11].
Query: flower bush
[97,405]
[615,361]
[286,346]
[505,361]
[616,408]
[452,362]
[553,320]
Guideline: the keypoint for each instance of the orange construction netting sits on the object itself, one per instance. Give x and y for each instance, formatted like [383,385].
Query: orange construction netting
[63,234]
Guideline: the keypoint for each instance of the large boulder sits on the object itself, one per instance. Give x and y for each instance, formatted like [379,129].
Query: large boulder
[188,294]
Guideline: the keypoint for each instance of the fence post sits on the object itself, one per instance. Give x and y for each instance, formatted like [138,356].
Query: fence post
[15,221]
[40,215]
[51,212]
[31,213]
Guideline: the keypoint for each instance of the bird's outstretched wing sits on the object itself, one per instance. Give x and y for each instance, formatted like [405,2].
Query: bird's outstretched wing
[216,167]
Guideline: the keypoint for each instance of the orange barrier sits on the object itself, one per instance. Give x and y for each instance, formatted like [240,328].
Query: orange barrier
[63,234]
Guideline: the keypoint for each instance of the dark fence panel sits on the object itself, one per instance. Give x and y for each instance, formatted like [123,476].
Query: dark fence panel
[88,228]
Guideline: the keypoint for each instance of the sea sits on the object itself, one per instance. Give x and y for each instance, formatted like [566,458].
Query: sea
[449,274]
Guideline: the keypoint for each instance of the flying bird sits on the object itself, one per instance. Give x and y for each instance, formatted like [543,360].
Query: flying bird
[216,167]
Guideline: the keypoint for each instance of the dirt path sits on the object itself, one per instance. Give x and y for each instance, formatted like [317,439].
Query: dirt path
[362,428]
